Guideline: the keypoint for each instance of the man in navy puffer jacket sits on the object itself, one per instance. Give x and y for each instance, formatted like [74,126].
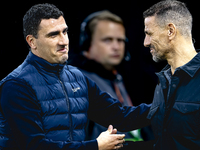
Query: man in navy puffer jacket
[45,104]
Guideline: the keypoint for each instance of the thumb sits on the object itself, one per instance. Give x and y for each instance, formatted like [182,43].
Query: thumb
[110,129]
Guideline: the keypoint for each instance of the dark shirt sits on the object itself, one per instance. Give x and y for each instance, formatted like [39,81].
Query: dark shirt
[175,111]
[168,76]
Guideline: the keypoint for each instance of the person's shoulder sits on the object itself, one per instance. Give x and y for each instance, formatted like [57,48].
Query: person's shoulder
[70,67]
[22,74]
[18,73]
[74,71]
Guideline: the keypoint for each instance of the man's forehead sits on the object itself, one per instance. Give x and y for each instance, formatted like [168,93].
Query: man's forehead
[53,23]
[149,22]
[109,28]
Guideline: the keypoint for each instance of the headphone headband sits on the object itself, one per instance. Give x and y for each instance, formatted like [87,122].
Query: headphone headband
[84,32]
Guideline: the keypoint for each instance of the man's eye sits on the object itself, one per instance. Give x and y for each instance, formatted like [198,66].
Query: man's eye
[148,33]
[121,40]
[53,36]
[107,40]
[65,31]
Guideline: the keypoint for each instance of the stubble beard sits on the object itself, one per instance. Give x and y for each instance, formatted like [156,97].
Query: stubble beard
[157,58]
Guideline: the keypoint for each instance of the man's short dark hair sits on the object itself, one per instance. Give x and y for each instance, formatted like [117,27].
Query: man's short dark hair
[34,16]
[171,11]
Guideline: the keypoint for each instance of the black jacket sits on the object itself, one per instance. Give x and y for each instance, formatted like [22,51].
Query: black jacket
[175,111]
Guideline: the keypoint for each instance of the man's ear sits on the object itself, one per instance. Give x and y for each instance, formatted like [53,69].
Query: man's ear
[31,41]
[172,31]
[86,54]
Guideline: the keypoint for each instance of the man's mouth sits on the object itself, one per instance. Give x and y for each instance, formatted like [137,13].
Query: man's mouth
[115,55]
[63,50]
[151,50]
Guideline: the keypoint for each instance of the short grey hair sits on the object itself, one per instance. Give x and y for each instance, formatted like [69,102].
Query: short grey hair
[172,11]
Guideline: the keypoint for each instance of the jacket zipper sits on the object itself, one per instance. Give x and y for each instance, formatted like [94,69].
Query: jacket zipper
[68,105]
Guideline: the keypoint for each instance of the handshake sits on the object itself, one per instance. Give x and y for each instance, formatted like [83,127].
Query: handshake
[110,140]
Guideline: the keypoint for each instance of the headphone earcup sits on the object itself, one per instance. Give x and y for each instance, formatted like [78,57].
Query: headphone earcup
[83,34]
[84,39]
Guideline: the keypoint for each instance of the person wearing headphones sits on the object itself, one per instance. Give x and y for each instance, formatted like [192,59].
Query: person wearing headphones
[102,47]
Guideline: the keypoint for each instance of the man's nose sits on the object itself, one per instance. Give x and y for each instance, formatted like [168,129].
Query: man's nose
[64,40]
[116,44]
[147,41]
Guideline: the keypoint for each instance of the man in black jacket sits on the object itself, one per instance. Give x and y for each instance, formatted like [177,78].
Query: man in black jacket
[175,111]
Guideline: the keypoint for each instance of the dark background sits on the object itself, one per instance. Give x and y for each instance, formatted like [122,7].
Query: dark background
[140,76]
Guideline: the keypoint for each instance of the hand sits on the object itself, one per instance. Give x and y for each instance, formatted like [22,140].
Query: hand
[109,140]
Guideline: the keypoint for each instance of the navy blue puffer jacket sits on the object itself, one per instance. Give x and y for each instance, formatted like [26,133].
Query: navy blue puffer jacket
[46,106]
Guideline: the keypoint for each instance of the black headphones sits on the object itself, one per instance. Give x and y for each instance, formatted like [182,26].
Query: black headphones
[85,35]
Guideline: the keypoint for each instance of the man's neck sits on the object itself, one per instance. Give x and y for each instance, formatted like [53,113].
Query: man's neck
[183,52]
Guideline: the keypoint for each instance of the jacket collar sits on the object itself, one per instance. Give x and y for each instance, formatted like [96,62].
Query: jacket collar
[190,68]
[42,64]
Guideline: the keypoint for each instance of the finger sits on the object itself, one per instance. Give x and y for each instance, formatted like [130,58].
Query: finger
[110,129]
[118,146]
[120,136]
[114,131]
[121,141]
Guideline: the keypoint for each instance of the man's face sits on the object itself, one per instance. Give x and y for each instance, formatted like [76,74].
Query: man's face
[156,39]
[52,43]
[107,44]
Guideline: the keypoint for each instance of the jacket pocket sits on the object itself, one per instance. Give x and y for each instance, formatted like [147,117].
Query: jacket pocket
[186,118]
[152,111]
[186,107]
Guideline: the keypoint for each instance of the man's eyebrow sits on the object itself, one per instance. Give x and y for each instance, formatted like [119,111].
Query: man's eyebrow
[55,32]
[65,30]
[52,33]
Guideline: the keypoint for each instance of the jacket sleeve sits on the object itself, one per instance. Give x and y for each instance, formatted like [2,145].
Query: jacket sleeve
[23,114]
[106,110]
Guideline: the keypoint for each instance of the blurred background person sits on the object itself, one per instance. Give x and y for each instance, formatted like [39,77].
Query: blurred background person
[102,50]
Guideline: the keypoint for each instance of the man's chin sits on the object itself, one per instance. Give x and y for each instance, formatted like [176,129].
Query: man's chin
[157,59]
[63,59]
